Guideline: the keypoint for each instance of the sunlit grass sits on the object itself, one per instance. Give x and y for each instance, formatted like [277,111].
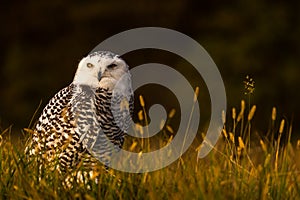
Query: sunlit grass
[266,168]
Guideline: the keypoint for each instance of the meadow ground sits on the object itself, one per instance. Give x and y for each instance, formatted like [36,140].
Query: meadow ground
[265,168]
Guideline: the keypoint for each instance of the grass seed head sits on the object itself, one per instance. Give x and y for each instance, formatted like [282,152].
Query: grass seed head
[281,126]
[139,128]
[196,94]
[224,133]
[172,113]
[233,113]
[241,143]
[251,113]
[28,130]
[169,128]
[223,117]
[141,115]
[140,154]
[241,114]
[170,139]
[249,84]
[231,136]
[273,113]
[263,146]
[142,102]
[132,147]
[162,124]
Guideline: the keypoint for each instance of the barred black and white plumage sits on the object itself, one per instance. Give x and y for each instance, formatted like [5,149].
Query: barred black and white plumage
[87,118]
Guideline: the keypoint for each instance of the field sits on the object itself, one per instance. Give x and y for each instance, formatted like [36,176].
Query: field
[265,168]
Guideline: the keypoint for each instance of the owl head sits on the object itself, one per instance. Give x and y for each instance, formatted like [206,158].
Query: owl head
[101,69]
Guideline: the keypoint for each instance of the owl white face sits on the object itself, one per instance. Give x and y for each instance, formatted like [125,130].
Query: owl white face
[100,69]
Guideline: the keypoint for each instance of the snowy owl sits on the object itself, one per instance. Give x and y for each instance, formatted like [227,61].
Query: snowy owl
[87,119]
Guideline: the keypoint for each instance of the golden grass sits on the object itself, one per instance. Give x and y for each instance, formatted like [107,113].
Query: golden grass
[268,169]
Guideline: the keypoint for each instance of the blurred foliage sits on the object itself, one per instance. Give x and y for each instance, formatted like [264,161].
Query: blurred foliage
[42,42]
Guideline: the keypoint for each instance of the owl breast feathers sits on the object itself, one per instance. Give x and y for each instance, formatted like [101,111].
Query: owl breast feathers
[87,119]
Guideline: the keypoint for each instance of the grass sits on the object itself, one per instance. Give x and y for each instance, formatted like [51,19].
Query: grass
[266,168]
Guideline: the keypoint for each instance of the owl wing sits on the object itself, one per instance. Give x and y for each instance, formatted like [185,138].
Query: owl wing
[54,135]
[91,108]
[83,111]
[102,120]
[54,119]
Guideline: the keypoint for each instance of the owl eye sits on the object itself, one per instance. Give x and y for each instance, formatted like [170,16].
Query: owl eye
[111,66]
[89,65]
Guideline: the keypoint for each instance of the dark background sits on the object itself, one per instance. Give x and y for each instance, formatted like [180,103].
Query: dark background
[42,42]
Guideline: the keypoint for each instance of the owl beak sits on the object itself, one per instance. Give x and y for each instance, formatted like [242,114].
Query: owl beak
[99,75]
